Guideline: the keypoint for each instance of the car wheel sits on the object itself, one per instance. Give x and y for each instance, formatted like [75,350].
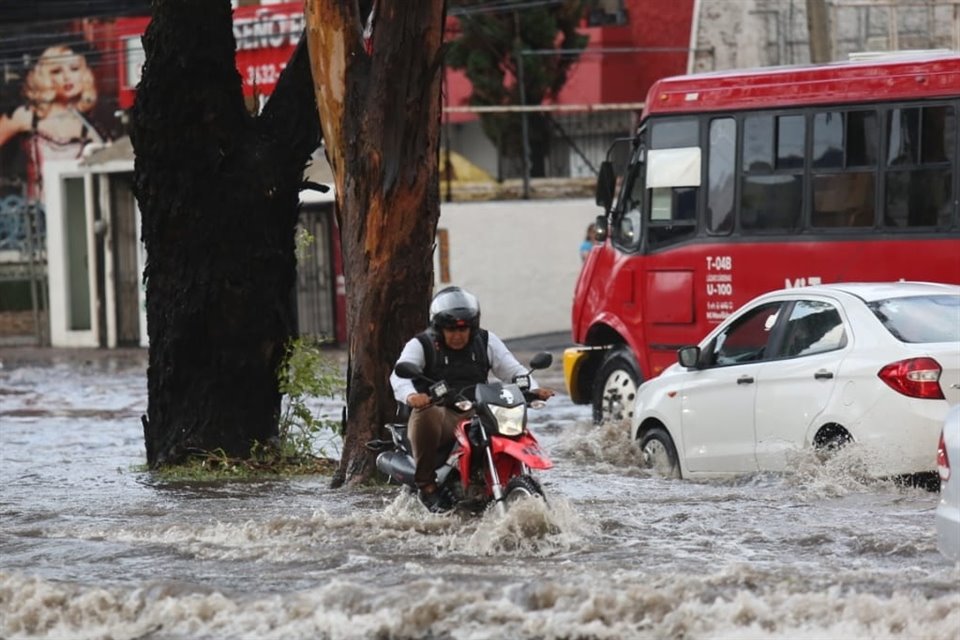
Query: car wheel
[659,453]
[830,439]
[615,387]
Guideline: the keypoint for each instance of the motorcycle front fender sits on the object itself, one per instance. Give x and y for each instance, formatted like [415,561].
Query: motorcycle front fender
[463,451]
[526,449]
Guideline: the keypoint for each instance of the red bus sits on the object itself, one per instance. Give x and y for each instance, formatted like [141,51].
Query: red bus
[741,182]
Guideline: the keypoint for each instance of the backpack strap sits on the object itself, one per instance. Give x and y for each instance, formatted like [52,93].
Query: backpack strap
[482,347]
[427,341]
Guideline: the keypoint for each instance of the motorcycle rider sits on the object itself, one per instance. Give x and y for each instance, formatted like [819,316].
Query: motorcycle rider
[455,349]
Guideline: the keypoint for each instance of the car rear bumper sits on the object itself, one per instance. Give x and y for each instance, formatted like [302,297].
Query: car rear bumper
[901,437]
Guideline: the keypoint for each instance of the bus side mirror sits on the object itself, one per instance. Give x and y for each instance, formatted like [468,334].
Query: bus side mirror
[606,183]
[689,357]
[600,229]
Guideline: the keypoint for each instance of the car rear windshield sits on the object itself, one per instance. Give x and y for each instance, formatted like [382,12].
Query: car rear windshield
[920,318]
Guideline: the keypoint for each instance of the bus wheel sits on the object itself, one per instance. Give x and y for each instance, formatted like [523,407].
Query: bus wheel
[659,453]
[615,387]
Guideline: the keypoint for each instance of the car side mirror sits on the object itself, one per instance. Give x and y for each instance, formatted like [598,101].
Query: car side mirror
[606,182]
[689,357]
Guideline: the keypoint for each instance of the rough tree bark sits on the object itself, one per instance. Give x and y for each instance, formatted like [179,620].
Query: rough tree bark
[218,191]
[379,104]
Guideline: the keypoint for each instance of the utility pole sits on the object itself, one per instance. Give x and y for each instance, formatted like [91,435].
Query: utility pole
[818,25]
[524,128]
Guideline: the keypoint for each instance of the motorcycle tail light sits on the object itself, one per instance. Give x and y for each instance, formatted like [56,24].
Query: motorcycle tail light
[914,377]
[943,462]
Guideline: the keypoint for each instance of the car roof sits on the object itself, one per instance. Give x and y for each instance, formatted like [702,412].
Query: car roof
[870,291]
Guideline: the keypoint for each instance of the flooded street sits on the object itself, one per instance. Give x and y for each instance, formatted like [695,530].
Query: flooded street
[93,547]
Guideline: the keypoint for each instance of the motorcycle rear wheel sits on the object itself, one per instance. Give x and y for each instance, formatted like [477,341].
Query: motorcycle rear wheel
[520,488]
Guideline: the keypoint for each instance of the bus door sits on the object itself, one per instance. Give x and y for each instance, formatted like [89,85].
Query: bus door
[672,182]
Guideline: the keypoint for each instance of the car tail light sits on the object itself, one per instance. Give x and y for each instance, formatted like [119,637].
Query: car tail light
[916,377]
[943,462]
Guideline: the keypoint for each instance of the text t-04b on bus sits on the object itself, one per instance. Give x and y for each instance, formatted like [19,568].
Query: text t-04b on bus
[746,181]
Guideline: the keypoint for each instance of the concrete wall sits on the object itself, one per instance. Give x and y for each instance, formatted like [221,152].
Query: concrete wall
[731,34]
[520,258]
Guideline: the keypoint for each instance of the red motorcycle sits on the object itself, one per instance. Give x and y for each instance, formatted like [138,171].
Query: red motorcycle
[494,453]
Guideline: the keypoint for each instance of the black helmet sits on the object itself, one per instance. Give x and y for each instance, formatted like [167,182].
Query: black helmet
[454,307]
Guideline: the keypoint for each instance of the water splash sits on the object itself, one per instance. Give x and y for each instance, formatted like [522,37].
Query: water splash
[608,446]
[621,606]
[842,472]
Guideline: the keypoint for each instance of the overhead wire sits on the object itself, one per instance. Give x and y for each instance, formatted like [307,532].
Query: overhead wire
[109,51]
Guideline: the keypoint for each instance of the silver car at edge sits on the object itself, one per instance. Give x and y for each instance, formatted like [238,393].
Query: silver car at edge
[948,464]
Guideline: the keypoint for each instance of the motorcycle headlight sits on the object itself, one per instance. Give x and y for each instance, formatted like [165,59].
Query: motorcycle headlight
[509,419]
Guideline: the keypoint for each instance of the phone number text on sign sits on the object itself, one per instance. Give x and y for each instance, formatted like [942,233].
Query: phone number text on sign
[263,75]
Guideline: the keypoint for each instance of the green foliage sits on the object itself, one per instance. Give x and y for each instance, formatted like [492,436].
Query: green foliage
[488,48]
[302,243]
[306,374]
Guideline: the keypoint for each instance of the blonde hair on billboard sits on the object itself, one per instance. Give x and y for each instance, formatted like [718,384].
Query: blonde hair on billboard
[39,88]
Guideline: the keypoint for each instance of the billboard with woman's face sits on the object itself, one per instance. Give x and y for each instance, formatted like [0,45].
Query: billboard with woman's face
[55,101]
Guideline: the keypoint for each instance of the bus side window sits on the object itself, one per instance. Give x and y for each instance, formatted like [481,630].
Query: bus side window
[673,205]
[771,195]
[844,165]
[673,179]
[721,161]
[919,166]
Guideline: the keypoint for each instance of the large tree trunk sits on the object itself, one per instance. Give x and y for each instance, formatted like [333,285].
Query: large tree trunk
[380,113]
[218,192]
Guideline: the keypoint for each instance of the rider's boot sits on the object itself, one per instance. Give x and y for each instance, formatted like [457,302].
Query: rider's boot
[434,499]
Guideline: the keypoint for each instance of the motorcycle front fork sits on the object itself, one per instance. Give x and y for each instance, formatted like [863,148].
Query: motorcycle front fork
[495,484]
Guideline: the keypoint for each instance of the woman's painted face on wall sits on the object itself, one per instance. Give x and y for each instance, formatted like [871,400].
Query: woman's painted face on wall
[66,75]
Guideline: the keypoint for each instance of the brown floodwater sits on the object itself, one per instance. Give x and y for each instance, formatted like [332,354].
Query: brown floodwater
[92,547]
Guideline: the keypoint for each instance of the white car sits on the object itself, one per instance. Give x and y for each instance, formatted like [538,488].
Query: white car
[876,364]
[948,511]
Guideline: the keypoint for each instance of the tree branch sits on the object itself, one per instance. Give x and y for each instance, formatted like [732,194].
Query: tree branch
[290,114]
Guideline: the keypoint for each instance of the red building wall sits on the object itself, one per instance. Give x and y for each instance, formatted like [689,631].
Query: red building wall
[619,65]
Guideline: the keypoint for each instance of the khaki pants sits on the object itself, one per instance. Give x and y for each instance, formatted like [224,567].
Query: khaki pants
[432,432]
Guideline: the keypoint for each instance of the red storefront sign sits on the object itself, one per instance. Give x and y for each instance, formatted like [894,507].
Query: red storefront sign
[266,37]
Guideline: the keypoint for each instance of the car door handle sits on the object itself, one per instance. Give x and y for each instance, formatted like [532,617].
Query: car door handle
[745,380]
[823,375]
